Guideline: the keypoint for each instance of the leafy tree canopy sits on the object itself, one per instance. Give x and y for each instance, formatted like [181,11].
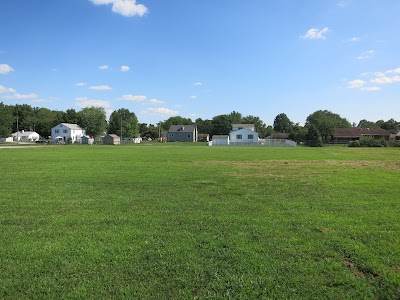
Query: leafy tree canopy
[326,122]
[93,120]
[282,123]
[128,120]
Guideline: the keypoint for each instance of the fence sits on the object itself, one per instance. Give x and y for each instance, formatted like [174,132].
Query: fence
[261,143]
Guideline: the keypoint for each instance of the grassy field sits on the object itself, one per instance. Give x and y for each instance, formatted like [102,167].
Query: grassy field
[196,222]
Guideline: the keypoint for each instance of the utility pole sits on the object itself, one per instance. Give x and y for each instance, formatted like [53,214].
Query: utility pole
[121,131]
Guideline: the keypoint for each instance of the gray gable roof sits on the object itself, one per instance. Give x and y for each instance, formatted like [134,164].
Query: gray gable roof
[71,126]
[182,128]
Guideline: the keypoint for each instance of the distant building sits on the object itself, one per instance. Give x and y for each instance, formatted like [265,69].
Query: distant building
[25,136]
[203,137]
[220,140]
[182,133]
[65,131]
[243,133]
[346,135]
[87,140]
[111,139]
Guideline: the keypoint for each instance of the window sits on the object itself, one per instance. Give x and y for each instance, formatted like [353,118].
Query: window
[238,136]
[57,131]
[65,130]
[180,135]
[250,137]
[172,135]
[188,135]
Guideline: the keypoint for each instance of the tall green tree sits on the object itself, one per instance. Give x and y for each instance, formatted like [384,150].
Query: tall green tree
[125,118]
[25,115]
[367,124]
[282,123]
[313,138]
[235,117]
[176,120]
[70,116]
[93,120]
[6,120]
[326,122]
[45,119]
[204,126]
[221,124]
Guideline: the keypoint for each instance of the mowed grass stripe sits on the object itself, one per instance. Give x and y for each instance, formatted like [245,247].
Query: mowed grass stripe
[182,221]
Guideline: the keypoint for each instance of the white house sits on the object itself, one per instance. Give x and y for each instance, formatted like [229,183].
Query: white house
[25,136]
[64,131]
[243,133]
[220,140]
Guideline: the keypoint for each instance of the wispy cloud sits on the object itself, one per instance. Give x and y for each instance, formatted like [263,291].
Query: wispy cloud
[86,102]
[386,80]
[358,83]
[125,68]
[4,69]
[193,97]
[160,111]
[198,83]
[366,55]
[100,87]
[133,98]
[156,101]
[4,90]
[371,89]
[393,71]
[343,4]
[127,8]
[81,84]
[316,34]
[18,96]
[104,67]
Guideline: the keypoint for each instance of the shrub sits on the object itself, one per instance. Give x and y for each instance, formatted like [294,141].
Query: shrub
[367,141]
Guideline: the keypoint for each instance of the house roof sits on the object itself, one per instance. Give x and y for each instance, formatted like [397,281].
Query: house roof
[243,125]
[113,135]
[220,136]
[244,130]
[70,126]
[279,135]
[358,132]
[182,128]
[20,133]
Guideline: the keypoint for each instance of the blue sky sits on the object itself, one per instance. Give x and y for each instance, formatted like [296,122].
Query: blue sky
[198,59]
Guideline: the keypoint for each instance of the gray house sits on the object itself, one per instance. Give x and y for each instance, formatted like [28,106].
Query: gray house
[111,139]
[182,133]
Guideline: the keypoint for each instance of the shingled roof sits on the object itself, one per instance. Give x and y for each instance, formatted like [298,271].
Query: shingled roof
[359,132]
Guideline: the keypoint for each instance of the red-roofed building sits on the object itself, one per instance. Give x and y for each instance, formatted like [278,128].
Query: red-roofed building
[346,135]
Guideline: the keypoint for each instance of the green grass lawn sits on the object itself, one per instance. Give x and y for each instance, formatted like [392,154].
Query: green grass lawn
[176,221]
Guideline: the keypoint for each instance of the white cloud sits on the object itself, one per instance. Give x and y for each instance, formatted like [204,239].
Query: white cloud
[316,34]
[193,97]
[133,98]
[105,67]
[86,102]
[125,68]
[198,84]
[366,55]
[21,96]
[81,84]
[4,90]
[386,80]
[100,87]
[379,74]
[393,71]
[161,111]
[371,89]
[4,69]
[343,4]
[358,83]
[156,101]
[127,8]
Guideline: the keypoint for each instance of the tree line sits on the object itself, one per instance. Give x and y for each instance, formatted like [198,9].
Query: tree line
[319,125]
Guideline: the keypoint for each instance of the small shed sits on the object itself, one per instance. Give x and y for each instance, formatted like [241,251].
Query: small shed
[203,137]
[87,140]
[111,139]
[220,140]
